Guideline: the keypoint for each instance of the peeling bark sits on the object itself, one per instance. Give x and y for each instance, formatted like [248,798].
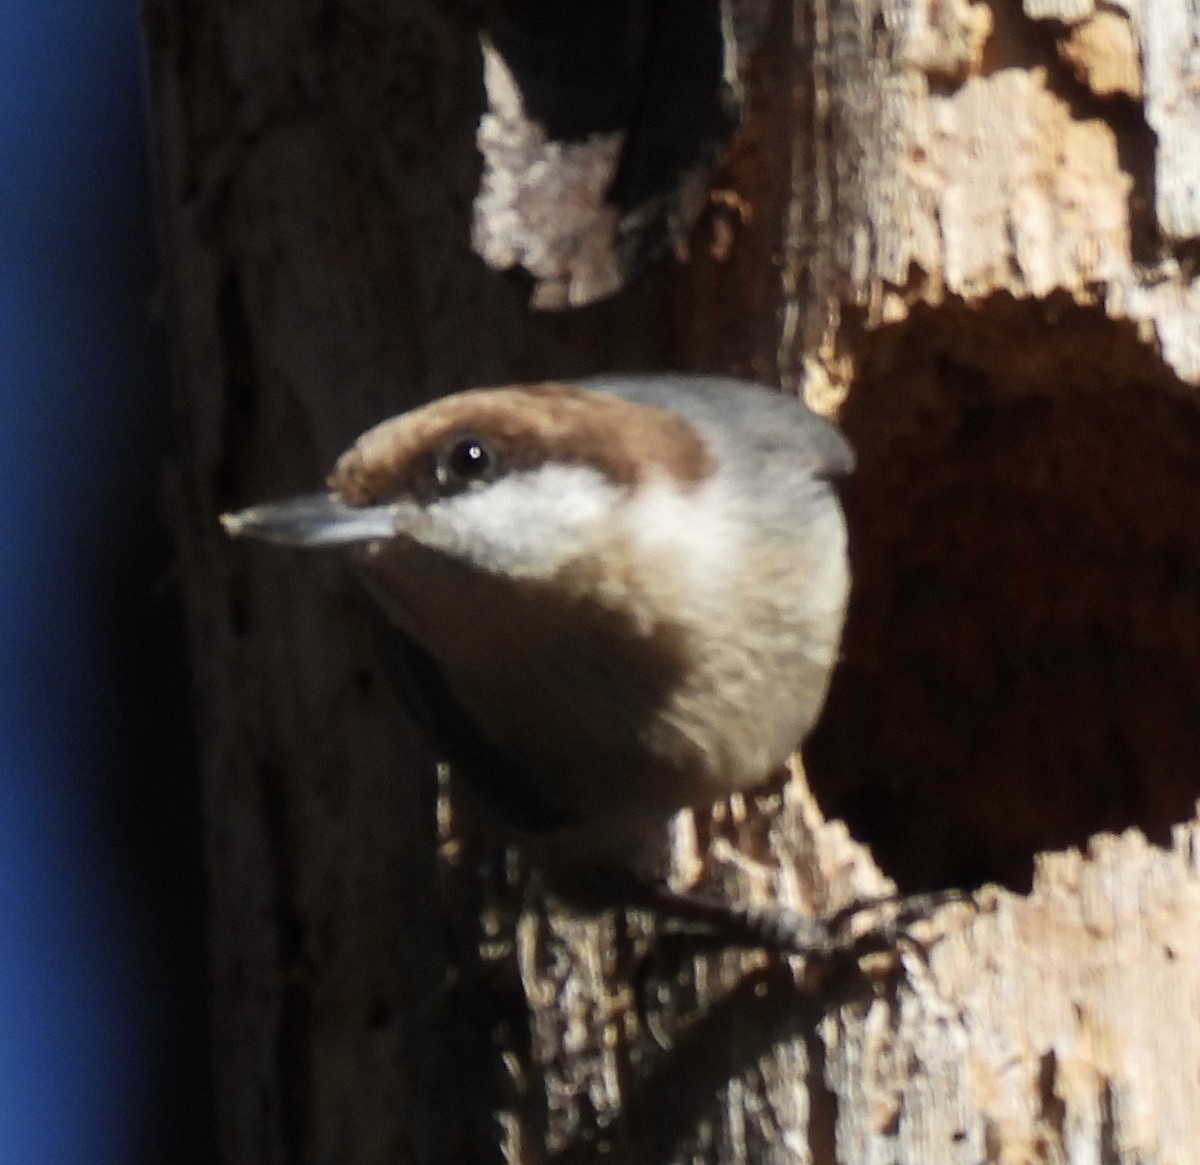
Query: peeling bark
[969,231]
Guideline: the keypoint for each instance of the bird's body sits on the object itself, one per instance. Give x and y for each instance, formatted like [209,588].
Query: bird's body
[630,592]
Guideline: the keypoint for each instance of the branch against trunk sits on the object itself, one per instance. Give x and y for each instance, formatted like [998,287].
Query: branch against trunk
[972,232]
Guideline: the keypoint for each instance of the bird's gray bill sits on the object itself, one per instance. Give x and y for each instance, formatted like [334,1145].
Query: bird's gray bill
[312,520]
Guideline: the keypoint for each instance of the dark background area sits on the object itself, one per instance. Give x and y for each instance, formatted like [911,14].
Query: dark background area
[102,959]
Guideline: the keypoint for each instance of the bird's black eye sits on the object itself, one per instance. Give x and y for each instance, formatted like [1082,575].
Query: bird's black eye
[462,461]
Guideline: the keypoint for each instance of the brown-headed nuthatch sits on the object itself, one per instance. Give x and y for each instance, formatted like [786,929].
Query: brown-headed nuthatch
[623,597]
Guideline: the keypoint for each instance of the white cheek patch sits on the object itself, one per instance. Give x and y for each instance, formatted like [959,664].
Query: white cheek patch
[687,539]
[692,531]
[529,524]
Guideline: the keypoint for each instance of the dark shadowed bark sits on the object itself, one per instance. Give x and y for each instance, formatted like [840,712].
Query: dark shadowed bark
[968,232]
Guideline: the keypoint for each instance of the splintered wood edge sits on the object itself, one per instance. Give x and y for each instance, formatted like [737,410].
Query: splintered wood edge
[1045,1027]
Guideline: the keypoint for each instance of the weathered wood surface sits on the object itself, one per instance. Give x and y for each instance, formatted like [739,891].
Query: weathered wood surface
[969,230]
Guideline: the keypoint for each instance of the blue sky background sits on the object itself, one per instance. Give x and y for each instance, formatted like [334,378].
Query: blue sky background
[101,1028]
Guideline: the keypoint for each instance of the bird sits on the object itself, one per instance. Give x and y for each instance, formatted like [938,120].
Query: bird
[614,599]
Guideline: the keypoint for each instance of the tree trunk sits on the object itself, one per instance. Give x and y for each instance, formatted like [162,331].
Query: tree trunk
[970,233]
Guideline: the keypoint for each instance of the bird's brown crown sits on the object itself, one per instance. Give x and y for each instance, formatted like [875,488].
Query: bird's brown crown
[522,427]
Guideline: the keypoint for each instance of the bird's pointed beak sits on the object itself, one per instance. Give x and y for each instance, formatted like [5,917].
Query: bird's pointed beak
[313,520]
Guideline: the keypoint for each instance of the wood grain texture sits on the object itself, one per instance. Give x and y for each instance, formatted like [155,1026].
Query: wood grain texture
[968,228]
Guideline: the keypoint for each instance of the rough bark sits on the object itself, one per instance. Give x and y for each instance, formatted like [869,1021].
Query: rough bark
[970,232]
